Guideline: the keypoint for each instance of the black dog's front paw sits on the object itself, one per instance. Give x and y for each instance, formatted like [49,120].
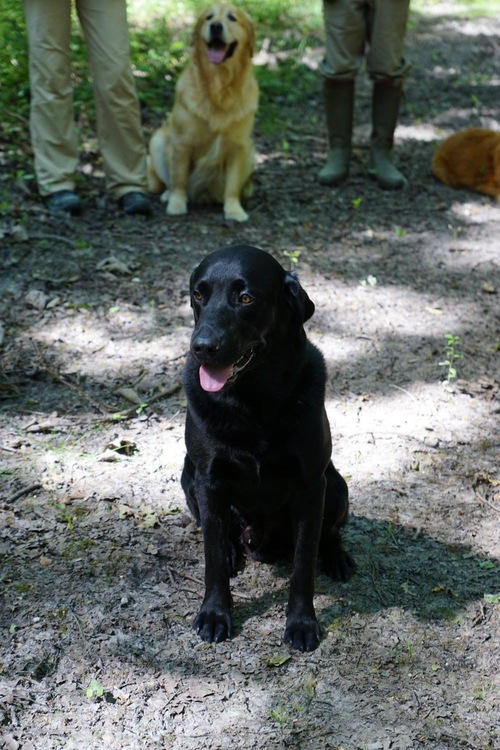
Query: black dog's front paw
[213,626]
[302,632]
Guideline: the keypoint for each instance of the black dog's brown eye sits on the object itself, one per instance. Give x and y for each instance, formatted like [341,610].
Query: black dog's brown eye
[245,299]
[231,17]
[197,296]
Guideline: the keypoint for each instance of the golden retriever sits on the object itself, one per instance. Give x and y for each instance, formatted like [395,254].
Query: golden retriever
[470,159]
[204,153]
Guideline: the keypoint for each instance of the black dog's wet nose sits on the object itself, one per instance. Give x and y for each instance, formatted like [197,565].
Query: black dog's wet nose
[216,29]
[205,347]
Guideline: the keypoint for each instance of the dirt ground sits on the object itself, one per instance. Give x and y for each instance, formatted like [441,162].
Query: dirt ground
[101,568]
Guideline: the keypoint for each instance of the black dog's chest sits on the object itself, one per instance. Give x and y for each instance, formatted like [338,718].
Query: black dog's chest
[251,484]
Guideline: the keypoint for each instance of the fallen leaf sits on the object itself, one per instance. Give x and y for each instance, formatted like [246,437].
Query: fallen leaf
[19,233]
[488,288]
[277,660]
[37,299]
[110,456]
[130,395]
[113,265]
[124,448]
[434,310]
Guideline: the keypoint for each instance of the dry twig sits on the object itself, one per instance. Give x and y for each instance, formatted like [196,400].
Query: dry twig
[24,491]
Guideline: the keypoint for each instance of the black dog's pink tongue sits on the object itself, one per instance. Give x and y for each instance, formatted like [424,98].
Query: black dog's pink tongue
[213,379]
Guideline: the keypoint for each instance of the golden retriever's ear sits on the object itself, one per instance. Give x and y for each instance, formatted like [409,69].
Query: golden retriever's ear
[197,28]
[196,40]
[250,32]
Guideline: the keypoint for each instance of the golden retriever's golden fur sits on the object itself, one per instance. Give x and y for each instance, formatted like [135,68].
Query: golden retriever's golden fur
[204,153]
[470,159]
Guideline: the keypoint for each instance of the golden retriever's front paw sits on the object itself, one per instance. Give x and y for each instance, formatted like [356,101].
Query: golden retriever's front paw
[234,211]
[177,205]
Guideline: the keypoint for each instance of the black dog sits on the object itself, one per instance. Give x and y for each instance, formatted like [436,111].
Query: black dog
[258,474]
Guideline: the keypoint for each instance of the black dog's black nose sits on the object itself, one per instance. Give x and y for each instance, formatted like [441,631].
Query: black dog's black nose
[205,347]
[216,29]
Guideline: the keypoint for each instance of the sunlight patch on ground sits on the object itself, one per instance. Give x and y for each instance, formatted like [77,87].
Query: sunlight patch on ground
[390,414]
[424,132]
[147,478]
[349,312]
[486,27]
[456,7]
[98,351]
[478,212]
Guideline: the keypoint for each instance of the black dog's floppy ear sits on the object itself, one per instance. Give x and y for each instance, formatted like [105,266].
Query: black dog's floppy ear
[196,313]
[298,299]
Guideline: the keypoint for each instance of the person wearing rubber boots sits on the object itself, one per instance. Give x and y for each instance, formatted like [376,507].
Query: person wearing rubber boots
[354,29]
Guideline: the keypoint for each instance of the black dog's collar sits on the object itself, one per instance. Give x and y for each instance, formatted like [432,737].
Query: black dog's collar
[242,363]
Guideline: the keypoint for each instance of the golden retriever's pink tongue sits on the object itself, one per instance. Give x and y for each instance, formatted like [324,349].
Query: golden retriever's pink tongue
[216,56]
[213,379]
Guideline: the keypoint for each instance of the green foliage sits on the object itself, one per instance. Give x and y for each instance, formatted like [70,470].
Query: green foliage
[14,91]
[158,58]
[269,15]
[293,256]
[283,86]
[160,41]
[280,716]
[14,73]
[94,690]
[452,354]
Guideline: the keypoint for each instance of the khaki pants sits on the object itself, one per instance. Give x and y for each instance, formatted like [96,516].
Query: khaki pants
[53,134]
[353,25]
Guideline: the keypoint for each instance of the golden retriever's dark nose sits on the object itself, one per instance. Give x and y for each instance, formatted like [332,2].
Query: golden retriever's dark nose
[216,30]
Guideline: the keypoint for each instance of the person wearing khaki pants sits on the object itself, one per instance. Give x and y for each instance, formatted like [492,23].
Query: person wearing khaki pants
[351,27]
[53,133]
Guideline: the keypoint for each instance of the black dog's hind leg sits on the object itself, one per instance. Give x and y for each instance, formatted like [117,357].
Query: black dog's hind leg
[334,560]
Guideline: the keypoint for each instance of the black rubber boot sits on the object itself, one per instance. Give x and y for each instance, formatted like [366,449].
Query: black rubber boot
[385,111]
[339,103]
